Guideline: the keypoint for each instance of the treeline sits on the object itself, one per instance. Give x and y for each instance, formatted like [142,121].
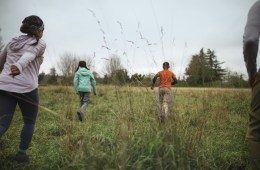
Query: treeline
[204,70]
[231,79]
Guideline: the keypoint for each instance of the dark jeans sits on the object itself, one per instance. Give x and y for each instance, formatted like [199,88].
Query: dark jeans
[253,133]
[28,103]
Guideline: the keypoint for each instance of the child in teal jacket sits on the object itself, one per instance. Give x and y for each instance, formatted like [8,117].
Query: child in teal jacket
[83,81]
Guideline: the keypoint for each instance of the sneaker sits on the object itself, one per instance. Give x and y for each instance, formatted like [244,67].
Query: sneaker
[80,116]
[21,157]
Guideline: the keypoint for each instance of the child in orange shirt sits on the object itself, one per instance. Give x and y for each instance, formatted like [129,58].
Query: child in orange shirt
[167,79]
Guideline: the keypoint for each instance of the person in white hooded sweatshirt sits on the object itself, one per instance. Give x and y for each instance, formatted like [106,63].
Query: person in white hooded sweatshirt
[20,62]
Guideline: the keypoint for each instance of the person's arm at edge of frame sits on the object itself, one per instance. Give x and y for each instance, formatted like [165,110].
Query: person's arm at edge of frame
[154,80]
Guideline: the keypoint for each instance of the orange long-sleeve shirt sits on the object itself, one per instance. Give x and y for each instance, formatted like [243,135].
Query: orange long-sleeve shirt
[166,78]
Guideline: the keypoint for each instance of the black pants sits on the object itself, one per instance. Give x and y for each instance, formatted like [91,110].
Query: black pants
[28,103]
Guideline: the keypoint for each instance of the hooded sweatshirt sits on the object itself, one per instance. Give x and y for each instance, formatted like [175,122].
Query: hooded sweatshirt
[84,80]
[27,57]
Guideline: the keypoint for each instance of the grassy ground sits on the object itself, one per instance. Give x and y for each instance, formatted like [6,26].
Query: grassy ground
[206,130]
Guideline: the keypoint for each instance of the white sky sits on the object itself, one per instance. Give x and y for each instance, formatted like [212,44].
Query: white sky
[176,30]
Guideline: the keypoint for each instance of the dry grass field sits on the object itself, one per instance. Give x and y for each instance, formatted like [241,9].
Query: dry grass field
[205,130]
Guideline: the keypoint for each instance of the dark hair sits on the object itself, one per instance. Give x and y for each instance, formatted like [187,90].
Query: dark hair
[166,65]
[82,64]
[32,25]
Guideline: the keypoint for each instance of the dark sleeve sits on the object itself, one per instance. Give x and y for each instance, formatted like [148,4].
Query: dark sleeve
[155,78]
[251,40]
[174,81]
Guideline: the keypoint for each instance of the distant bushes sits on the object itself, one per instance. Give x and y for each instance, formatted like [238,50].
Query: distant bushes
[232,80]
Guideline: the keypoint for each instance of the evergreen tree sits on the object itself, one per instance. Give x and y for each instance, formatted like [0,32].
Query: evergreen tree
[204,68]
[215,69]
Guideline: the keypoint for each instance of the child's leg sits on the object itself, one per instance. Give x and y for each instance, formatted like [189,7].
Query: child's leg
[28,104]
[7,109]
[161,100]
[84,100]
[166,102]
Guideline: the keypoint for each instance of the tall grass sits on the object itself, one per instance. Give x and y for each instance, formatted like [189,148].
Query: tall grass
[205,130]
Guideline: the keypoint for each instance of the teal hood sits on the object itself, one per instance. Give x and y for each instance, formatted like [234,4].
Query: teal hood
[84,81]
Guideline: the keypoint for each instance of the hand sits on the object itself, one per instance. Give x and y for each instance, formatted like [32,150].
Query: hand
[14,71]
[95,93]
[174,81]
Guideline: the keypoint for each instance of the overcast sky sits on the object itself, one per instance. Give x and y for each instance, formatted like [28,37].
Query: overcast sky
[144,33]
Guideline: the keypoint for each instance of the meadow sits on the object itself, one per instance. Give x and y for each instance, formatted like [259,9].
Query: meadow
[205,130]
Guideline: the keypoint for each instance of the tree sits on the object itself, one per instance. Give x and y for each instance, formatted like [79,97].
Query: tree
[234,79]
[147,81]
[106,79]
[204,68]
[196,69]
[214,65]
[121,76]
[53,76]
[137,78]
[115,71]
[113,64]
[68,64]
